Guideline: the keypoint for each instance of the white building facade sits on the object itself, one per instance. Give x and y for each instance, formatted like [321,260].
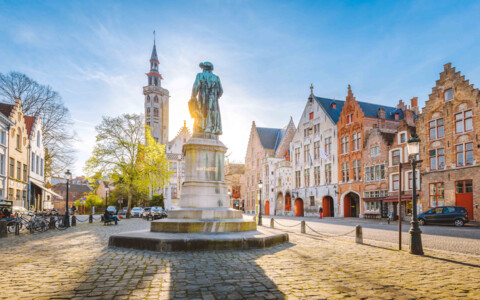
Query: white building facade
[5,124]
[313,157]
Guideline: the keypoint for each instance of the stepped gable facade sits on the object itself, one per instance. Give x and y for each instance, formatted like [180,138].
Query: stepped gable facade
[448,129]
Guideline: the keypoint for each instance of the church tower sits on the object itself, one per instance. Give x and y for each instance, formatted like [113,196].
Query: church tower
[156,101]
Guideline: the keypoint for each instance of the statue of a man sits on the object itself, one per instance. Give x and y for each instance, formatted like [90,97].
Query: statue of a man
[203,104]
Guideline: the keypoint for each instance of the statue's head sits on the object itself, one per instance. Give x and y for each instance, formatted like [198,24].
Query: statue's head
[208,66]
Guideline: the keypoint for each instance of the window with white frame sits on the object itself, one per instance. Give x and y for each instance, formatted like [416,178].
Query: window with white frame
[328,145]
[463,122]
[395,182]
[356,141]
[33,162]
[375,173]
[39,139]
[349,118]
[403,137]
[328,173]
[316,175]
[448,95]
[436,129]
[3,137]
[2,164]
[316,129]
[374,151]
[297,156]
[437,159]
[297,179]
[306,153]
[357,170]
[344,142]
[396,157]
[345,172]
[307,177]
[464,154]
[316,150]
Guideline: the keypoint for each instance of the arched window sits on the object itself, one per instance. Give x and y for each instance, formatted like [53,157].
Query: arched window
[148,112]
[155,99]
[148,99]
[19,140]
[155,112]
[39,139]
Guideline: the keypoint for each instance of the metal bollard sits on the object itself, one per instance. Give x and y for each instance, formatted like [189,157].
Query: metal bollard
[74,221]
[3,229]
[51,224]
[17,228]
[90,219]
[358,234]
[272,223]
[302,226]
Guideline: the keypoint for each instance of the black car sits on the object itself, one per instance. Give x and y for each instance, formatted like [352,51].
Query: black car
[444,215]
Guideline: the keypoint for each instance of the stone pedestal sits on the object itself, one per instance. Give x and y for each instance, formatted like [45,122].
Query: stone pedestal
[204,220]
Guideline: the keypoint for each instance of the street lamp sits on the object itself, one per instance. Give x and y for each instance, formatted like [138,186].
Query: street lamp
[67,217]
[106,198]
[413,148]
[260,185]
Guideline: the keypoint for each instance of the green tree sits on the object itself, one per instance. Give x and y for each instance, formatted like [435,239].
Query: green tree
[121,152]
[93,200]
[157,200]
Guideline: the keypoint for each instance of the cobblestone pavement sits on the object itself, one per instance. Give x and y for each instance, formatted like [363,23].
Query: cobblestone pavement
[77,263]
[448,238]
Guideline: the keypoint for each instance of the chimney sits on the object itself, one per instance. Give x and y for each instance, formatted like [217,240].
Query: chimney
[414,105]
[381,113]
[401,104]
[409,117]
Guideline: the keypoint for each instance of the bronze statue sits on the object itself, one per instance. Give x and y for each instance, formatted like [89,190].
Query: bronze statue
[203,104]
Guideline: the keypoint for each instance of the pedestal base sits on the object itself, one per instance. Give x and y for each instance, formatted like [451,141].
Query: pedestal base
[171,242]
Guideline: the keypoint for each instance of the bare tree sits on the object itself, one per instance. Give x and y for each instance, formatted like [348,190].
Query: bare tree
[42,100]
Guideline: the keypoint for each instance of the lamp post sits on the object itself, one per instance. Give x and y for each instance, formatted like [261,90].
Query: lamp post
[106,199]
[413,148]
[67,216]
[260,185]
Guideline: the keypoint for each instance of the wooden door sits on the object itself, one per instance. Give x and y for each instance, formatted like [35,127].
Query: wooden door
[347,206]
[326,207]
[464,196]
[267,208]
[298,207]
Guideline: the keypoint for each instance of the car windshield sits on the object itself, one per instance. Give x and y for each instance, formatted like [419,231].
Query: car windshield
[136,208]
[156,209]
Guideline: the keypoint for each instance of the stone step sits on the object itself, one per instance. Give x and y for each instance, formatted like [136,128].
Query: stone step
[202,225]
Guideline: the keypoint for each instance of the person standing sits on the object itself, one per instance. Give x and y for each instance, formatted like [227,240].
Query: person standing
[320,211]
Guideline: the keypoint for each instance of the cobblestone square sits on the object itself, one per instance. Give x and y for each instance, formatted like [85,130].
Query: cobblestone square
[77,263]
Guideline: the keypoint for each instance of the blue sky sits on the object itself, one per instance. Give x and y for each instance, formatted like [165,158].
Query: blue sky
[95,53]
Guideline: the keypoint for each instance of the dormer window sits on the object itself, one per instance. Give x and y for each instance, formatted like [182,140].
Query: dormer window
[334,105]
[397,116]
[448,95]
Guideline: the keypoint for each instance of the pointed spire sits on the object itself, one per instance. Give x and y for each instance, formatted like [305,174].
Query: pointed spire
[154,56]
[184,123]
[311,88]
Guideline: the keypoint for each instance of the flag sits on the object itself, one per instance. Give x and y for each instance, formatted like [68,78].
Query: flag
[324,155]
[311,162]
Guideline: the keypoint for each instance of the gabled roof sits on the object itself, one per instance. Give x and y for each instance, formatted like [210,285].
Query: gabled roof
[270,137]
[327,104]
[6,109]
[29,122]
[369,109]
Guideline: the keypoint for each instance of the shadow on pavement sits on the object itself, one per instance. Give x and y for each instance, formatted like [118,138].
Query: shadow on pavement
[453,261]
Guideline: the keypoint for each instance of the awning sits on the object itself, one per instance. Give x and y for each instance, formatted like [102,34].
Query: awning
[395,199]
[374,199]
[47,190]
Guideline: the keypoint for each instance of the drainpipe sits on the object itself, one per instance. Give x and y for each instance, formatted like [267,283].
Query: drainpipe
[7,162]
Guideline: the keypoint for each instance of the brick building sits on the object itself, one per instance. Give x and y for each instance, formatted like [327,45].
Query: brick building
[449,149]
[235,180]
[263,142]
[355,122]
[75,192]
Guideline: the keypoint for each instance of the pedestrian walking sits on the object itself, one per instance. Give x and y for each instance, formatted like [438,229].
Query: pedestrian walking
[321,212]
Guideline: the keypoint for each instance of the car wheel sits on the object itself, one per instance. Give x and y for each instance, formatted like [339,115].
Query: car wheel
[459,222]
[421,222]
